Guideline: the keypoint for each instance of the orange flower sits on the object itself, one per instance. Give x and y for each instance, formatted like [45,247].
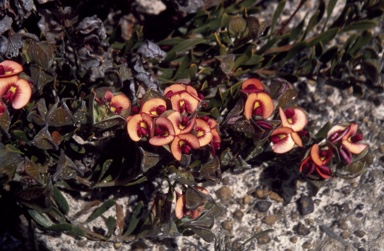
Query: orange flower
[317,161]
[182,124]
[184,98]
[252,85]
[140,125]
[258,104]
[181,209]
[119,104]
[16,91]
[284,139]
[203,132]
[154,107]
[9,68]
[216,140]
[180,88]
[183,144]
[350,140]
[294,118]
[164,132]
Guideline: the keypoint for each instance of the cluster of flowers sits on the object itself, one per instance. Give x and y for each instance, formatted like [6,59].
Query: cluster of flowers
[114,103]
[343,139]
[259,107]
[174,123]
[13,89]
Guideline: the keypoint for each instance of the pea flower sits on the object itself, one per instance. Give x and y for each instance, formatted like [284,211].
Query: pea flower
[140,125]
[181,123]
[9,68]
[317,161]
[16,91]
[184,99]
[183,144]
[203,132]
[252,85]
[164,132]
[294,118]
[349,138]
[284,139]
[258,104]
[154,107]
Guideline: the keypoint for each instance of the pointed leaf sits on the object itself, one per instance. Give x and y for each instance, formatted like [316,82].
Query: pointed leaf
[60,200]
[100,210]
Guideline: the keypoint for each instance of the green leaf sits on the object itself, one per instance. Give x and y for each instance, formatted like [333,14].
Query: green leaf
[148,159]
[60,200]
[331,5]
[277,13]
[40,218]
[183,46]
[322,133]
[100,210]
[361,41]
[105,168]
[12,148]
[360,25]
[135,219]
[111,225]
[324,37]
[68,228]
[205,234]
[5,121]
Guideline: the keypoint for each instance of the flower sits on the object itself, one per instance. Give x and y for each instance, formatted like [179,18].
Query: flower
[184,98]
[181,210]
[317,161]
[9,68]
[154,107]
[294,118]
[349,140]
[183,144]
[284,139]
[119,103]
[258,104]
[216,140]
[252,85]
[140,125]
[16,91]
[181,123]
[203,132]
[164,132]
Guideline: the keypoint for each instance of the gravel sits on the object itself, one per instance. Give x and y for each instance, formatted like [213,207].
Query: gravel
[343,215]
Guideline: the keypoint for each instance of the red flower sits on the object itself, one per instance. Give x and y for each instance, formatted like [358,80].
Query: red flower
[183,144]
[139,126]
[252,85]
[164,132]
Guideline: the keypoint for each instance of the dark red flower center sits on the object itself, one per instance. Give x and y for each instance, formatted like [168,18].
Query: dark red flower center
[10,94]
[143,129]
[289,112]
[278,138]
[2,70]
[135,109]
[161,131]
[185,147]
[160,109]
[356,138]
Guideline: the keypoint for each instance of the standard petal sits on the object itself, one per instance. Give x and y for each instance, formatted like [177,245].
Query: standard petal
[9,68]
[154,107]
[23,94]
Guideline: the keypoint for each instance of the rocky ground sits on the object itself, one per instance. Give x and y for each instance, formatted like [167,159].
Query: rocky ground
[343,215]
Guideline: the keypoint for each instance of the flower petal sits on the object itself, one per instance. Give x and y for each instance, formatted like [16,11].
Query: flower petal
[161,140]
[23,94]
[176,119]
[297,122]
[179,207]
[137,124]
[319,160]
[184,102]
[120,102]
[282,140]
[203,132]
[336,133]
[252,85]
[180,140]
[355,148]
[151,106]
[261,101]
[10,68]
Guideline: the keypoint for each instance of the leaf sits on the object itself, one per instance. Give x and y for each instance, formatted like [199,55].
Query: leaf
[20,135]
[360,25]
[287,98]
[5,121]
[211,170]
[361,41]
[44,141]
[32,170]
[183,46]
[135,218]
[9,161]
[60,115]
[105,168]
[277,13]
[100,210]
[205,234]
[324,37]
[322,133]
[194,198]
[68,228]
[60,200]
[41,76]
[66,169]
[331,5]
[148,159]
[40,218]
[37,197]
[41,53]
[111,225]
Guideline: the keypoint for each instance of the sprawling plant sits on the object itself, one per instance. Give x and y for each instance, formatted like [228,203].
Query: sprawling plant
[95,106]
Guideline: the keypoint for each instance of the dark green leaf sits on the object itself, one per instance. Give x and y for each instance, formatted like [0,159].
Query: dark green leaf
[148,159]
[324,37]
[66,169]
[41,53]
[5,121]
[322,133]
[32,170]
[67,228]
[211,170]
[205,234]
[330,7]
[37,197]
[194,198]
[135,219]
[277,13]
[105,168]
[100,210]
[60,115]
[360,25]
[361,41]
[60,200]
[111,225]
[40,218]
[183,46]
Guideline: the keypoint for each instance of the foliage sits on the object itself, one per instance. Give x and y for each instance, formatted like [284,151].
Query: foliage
[118,102]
